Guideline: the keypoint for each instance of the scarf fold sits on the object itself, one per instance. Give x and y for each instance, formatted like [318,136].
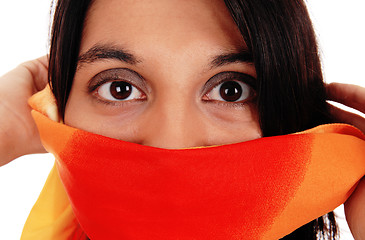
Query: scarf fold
[260,189]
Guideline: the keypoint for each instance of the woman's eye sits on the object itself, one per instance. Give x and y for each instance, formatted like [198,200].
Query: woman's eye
[230,91]
[120,91]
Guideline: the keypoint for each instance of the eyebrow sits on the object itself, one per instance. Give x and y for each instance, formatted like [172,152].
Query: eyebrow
[243,56]
[101,52]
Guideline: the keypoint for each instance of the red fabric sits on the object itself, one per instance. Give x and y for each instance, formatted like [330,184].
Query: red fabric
[261,189]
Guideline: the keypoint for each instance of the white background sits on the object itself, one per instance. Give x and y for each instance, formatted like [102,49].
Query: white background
[24,28]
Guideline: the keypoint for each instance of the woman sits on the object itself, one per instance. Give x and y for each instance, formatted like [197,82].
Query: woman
[255,79]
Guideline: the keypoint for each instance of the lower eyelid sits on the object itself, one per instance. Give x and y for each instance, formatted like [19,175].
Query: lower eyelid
[118,103]
[227,105]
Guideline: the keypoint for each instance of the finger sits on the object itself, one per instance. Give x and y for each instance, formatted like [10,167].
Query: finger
[44,61]
[348,94]
[38,69]
[355,211]
[343,116]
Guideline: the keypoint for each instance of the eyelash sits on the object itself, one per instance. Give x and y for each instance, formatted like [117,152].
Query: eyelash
[248,80]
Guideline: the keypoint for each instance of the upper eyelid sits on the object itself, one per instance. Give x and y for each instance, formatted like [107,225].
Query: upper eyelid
[109,75]
[223,76]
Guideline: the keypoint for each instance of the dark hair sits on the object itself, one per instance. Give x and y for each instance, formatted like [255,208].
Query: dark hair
[280,36]
[291,92]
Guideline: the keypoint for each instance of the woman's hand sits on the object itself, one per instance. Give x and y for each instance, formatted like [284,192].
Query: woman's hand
[18,132]
[352,96]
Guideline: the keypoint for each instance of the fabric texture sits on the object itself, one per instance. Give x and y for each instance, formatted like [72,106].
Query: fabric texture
[260,189]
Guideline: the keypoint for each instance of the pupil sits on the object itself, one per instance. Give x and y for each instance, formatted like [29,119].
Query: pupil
[120,90]
[230,91]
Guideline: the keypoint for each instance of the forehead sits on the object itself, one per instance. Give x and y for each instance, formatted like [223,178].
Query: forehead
[173,24]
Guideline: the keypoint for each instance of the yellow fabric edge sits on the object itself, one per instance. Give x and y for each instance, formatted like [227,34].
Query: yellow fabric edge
[51,217]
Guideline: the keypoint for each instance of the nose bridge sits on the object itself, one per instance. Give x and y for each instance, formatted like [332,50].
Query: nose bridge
[174,124]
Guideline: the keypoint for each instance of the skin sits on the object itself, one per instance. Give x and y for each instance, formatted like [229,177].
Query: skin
[352,96]
[174,48]
[19,136]
[175,53]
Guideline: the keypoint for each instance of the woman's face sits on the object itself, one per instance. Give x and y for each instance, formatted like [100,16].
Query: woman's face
[166,73]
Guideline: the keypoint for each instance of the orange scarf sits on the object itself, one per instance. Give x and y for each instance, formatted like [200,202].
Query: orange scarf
[260,189]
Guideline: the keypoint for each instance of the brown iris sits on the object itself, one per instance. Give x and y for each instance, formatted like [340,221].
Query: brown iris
[230,91]
[120,90]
